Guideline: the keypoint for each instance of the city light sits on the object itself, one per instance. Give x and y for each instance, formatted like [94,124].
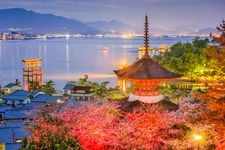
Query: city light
[67,36]
[197,137]
[122,64]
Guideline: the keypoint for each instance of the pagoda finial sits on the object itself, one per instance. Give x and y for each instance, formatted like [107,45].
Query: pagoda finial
[146,37]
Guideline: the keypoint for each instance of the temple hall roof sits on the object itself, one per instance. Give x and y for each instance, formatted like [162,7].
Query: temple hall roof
[69,86]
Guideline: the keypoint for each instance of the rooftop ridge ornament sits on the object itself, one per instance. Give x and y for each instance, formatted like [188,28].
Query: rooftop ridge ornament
[146,37]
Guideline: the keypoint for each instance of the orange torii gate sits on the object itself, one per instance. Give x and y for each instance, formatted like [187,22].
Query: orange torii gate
[32,72]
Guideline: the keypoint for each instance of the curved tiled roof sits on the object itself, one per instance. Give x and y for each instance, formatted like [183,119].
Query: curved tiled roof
[10,85]
[145,68]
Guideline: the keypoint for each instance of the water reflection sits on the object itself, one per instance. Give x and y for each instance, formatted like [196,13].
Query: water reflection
[85,55]
[105,53]
[76,76]
[0,50]
[67,57]
[45,55]
[39,50]
[17,53]
[128,46]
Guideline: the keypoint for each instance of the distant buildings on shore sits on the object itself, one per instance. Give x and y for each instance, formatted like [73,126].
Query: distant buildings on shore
[24,36]
[16,36]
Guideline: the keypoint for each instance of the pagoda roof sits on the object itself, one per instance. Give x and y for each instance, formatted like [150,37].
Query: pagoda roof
[145,68]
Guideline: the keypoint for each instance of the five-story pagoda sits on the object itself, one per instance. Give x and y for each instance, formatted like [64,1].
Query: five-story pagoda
[146,74]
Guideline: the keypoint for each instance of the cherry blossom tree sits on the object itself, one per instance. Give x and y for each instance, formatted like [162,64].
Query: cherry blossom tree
[48,131]
[195,116]
[104,127]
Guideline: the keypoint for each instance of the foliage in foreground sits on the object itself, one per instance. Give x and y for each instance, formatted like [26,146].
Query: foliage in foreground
[104,127]
[107,127]
[49,132]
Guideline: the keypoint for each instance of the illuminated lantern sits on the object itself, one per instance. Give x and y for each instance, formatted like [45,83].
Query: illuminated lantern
[146,74]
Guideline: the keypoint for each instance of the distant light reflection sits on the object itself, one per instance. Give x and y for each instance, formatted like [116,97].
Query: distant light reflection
[39,50]
[127,46]
[0,50]
[67,56]
[45,55]
[75,76]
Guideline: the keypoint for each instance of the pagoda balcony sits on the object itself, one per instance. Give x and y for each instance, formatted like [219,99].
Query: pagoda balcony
[146,92]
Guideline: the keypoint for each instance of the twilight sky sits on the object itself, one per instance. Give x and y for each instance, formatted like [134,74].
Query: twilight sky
[166,14]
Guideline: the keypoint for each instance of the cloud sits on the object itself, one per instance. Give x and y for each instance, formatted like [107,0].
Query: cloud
[163,13]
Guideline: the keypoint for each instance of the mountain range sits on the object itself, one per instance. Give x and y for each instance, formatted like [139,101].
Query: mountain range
[112,26]
[28,21]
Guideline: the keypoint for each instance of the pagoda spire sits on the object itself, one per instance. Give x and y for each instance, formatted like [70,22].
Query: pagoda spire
[146,37]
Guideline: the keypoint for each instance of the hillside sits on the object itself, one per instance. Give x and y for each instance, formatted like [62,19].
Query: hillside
[31,22]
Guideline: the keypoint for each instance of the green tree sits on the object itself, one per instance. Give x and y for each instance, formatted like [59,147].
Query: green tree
[100,90]
[34,86]
[183,58]
[221,27]
[114,93]
[48,88]
[199,43]
[221,39]
[1,93]
[57,142]
[131,88]
[1,90]
[83,81]
[17,82]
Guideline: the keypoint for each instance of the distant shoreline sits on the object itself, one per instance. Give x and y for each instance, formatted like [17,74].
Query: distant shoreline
[105,37]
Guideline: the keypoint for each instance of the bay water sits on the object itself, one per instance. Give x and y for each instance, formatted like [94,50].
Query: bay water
[71,59]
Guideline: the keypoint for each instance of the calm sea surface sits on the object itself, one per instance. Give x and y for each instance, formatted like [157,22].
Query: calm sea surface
[70,59]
